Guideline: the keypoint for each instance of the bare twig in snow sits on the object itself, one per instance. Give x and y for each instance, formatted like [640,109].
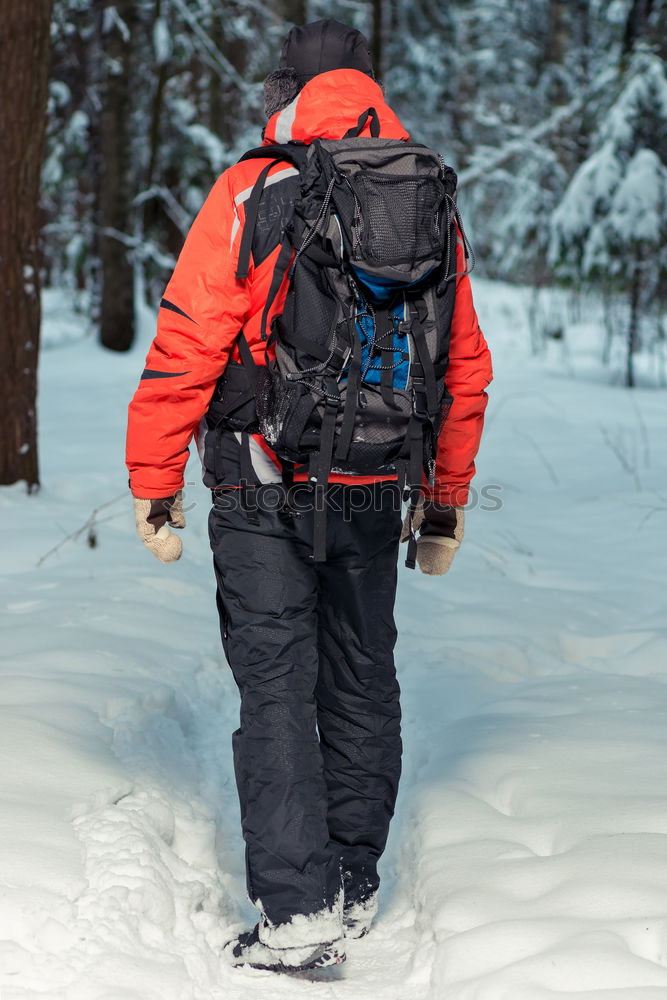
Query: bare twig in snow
[540,454]
[643,431]
[490,554]
[519,547]
[87,528]
[627,463]
[654,510]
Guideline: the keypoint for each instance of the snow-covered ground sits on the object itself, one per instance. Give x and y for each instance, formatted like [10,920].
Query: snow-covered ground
[528,857]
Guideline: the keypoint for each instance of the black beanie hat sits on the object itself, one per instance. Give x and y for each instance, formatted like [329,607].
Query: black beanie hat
[324,45]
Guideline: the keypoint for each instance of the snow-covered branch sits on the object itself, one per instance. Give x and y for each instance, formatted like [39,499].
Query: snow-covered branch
[217,60]
[518,145]
[181,218]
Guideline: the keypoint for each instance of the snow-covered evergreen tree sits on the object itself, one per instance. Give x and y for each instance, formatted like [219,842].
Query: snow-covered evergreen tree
[610,229]
[515,96]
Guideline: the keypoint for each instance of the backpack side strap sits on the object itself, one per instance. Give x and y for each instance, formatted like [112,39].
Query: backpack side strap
[279,272]
[251,213]
[294,153]
[320,468]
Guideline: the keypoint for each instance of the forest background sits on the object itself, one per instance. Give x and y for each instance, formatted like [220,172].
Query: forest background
[553,113]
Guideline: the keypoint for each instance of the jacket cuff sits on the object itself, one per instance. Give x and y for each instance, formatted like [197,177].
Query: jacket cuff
[448,496]
[439,520]
[151,493]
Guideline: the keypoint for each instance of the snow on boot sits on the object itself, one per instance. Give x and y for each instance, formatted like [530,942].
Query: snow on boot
[247,949]
[358,917]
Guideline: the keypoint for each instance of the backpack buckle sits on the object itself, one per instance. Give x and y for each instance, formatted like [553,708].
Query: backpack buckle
[331,391]
[339,358]
[420,400]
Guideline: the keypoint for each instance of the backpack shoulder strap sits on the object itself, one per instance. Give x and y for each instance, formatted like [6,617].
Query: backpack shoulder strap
[294,153]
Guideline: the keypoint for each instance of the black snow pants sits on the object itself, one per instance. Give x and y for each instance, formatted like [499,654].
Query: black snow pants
[317,755]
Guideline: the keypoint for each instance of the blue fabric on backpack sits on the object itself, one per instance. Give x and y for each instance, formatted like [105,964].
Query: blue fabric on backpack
[383,288]
[380,290]
[371,366]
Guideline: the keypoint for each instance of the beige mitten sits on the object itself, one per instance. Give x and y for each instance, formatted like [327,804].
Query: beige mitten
[441,533]
[153,518]
[435,554]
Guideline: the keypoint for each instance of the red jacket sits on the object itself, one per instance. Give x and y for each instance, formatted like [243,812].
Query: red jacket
[205,306]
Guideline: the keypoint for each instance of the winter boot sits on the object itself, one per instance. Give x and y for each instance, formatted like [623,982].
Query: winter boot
[358,917]
[247,949]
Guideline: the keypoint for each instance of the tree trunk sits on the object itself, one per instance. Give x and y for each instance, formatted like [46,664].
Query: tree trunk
[218,104]
[294,11]
[633,328]
[557,37]
[114,158]
[608,305]
[24,57]
[381,24]
[636,24]
[224,97]
[161,73]
[152,212]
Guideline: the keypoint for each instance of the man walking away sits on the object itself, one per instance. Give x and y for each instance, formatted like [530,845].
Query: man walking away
[318,338]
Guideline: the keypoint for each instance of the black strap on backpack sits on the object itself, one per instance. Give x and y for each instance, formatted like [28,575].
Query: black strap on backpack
[251,213]
[428,405]
[293,153]
[248,478]
[415,447]
[248,361]
[356,130]
[249,481]
[279,272]
[351,397]
[420,428]
[384,328]
[320,468]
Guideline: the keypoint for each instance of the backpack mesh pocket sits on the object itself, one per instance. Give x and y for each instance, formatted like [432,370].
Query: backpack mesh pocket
[283,410]
[378,437]
[400,218]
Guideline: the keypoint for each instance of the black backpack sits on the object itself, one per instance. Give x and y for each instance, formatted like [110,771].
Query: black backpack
[362,344]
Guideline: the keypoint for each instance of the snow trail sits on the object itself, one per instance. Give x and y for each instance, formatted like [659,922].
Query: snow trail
[528,852]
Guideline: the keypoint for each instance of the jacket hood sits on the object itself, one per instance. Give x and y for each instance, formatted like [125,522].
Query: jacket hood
[330,104]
